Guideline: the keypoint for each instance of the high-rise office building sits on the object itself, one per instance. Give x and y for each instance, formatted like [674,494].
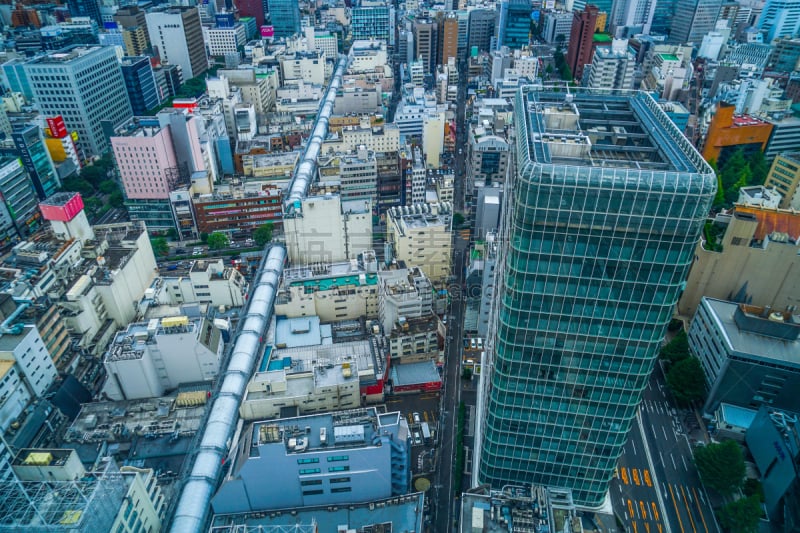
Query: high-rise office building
[631,17]
[178,35]
[85,86]
[514,23]
[581,40]
[662,17]
[372,19]
[86,8]
[36,159]
[133,23]
[425,38]
[693,19]
[251,8]
[285,17]
[599,240]
[140,83]
[780,18]
[481,29]
[448,38]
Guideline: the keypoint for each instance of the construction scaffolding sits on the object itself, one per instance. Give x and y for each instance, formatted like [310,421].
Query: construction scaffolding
[89,504]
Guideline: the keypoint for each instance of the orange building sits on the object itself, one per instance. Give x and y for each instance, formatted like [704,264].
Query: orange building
[728,131]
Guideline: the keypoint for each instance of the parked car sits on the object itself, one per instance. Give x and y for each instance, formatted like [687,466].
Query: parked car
[417,419]
[417,438]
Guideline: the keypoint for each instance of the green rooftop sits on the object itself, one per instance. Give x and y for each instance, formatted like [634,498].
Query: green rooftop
[669,57]
[602,38]
[335,282]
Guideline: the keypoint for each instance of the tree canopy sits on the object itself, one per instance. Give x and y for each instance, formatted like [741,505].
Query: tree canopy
[721,466]
[160,246]
[737,171]
[217,241]
[741,516]
[677,349]
[686,380]
[263,234]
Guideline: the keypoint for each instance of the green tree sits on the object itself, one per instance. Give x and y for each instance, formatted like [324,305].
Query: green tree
[80,185]
[160,246]
[677,349]
[458,218]
[758,168]
[732,168]
[560,38]
[466,374]
[217,241]
[753,487]
[721,466]
[741,516]
[204,238]
[686,380]
[94,174]
[263,234]
[108,186]
[116,199]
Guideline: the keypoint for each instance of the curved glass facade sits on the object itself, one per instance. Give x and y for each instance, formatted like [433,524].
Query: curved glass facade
[598,244]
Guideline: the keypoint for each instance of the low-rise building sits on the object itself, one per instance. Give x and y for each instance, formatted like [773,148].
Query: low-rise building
[332,459]
[314,367]
[754,261]
[784,175]
[750,355]
[238,208]
[148,359]
[333,292]
[49,490]
[420,235]
[773,440]
[26,371]
[208,282]
[404,292]
[416,339]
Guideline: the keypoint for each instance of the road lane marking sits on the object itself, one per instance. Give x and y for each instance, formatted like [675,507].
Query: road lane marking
[624,472]
[635,528]
[635,472]
[665,431]
[673,462]
[655,510]
[677,513]
[697,503]
[660,529]
[630,509]
[647,479]
[684,463]
[688,509]
[634,447]
[643,509]
[647,527]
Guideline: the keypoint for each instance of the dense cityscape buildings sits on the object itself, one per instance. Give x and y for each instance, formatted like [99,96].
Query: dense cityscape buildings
[433,266]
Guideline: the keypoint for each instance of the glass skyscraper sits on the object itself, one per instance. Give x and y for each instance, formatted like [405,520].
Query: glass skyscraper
[285,17]
[600,227]
[514,24]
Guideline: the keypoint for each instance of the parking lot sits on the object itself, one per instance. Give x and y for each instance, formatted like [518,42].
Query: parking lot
[426,406]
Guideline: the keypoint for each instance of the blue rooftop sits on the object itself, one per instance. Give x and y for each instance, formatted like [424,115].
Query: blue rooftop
[737,416]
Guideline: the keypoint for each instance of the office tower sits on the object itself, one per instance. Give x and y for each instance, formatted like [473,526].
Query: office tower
[514,24]
[693,19]
[598,243]
[251,8]
[631,17]
[285,17]
[448,38]
[662,17]
[29,141]
[86,8]
[15,79]
[178,35]
[5,124]
[612,68]
[133,23]
[140,82]
[371,19]
[85,86]
[425,39]
[780,18]
[581,40]
[603,6]
[481,29]
[20,200]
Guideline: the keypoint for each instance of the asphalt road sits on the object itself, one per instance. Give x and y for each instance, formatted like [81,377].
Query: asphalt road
[658,489]
[445,505]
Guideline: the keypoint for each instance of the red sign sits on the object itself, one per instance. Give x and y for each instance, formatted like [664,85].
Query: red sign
[63,211]
[57,127]
[267,31]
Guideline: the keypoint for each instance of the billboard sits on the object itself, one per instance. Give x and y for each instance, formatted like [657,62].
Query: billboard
[57,127]
[63,212]
[267,31]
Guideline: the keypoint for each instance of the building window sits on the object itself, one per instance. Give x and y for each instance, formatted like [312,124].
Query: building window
[311,482]
[340,479]
[334,458]
[312,492]
[342,489]
[308,461]
[338,469]
[309,471]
